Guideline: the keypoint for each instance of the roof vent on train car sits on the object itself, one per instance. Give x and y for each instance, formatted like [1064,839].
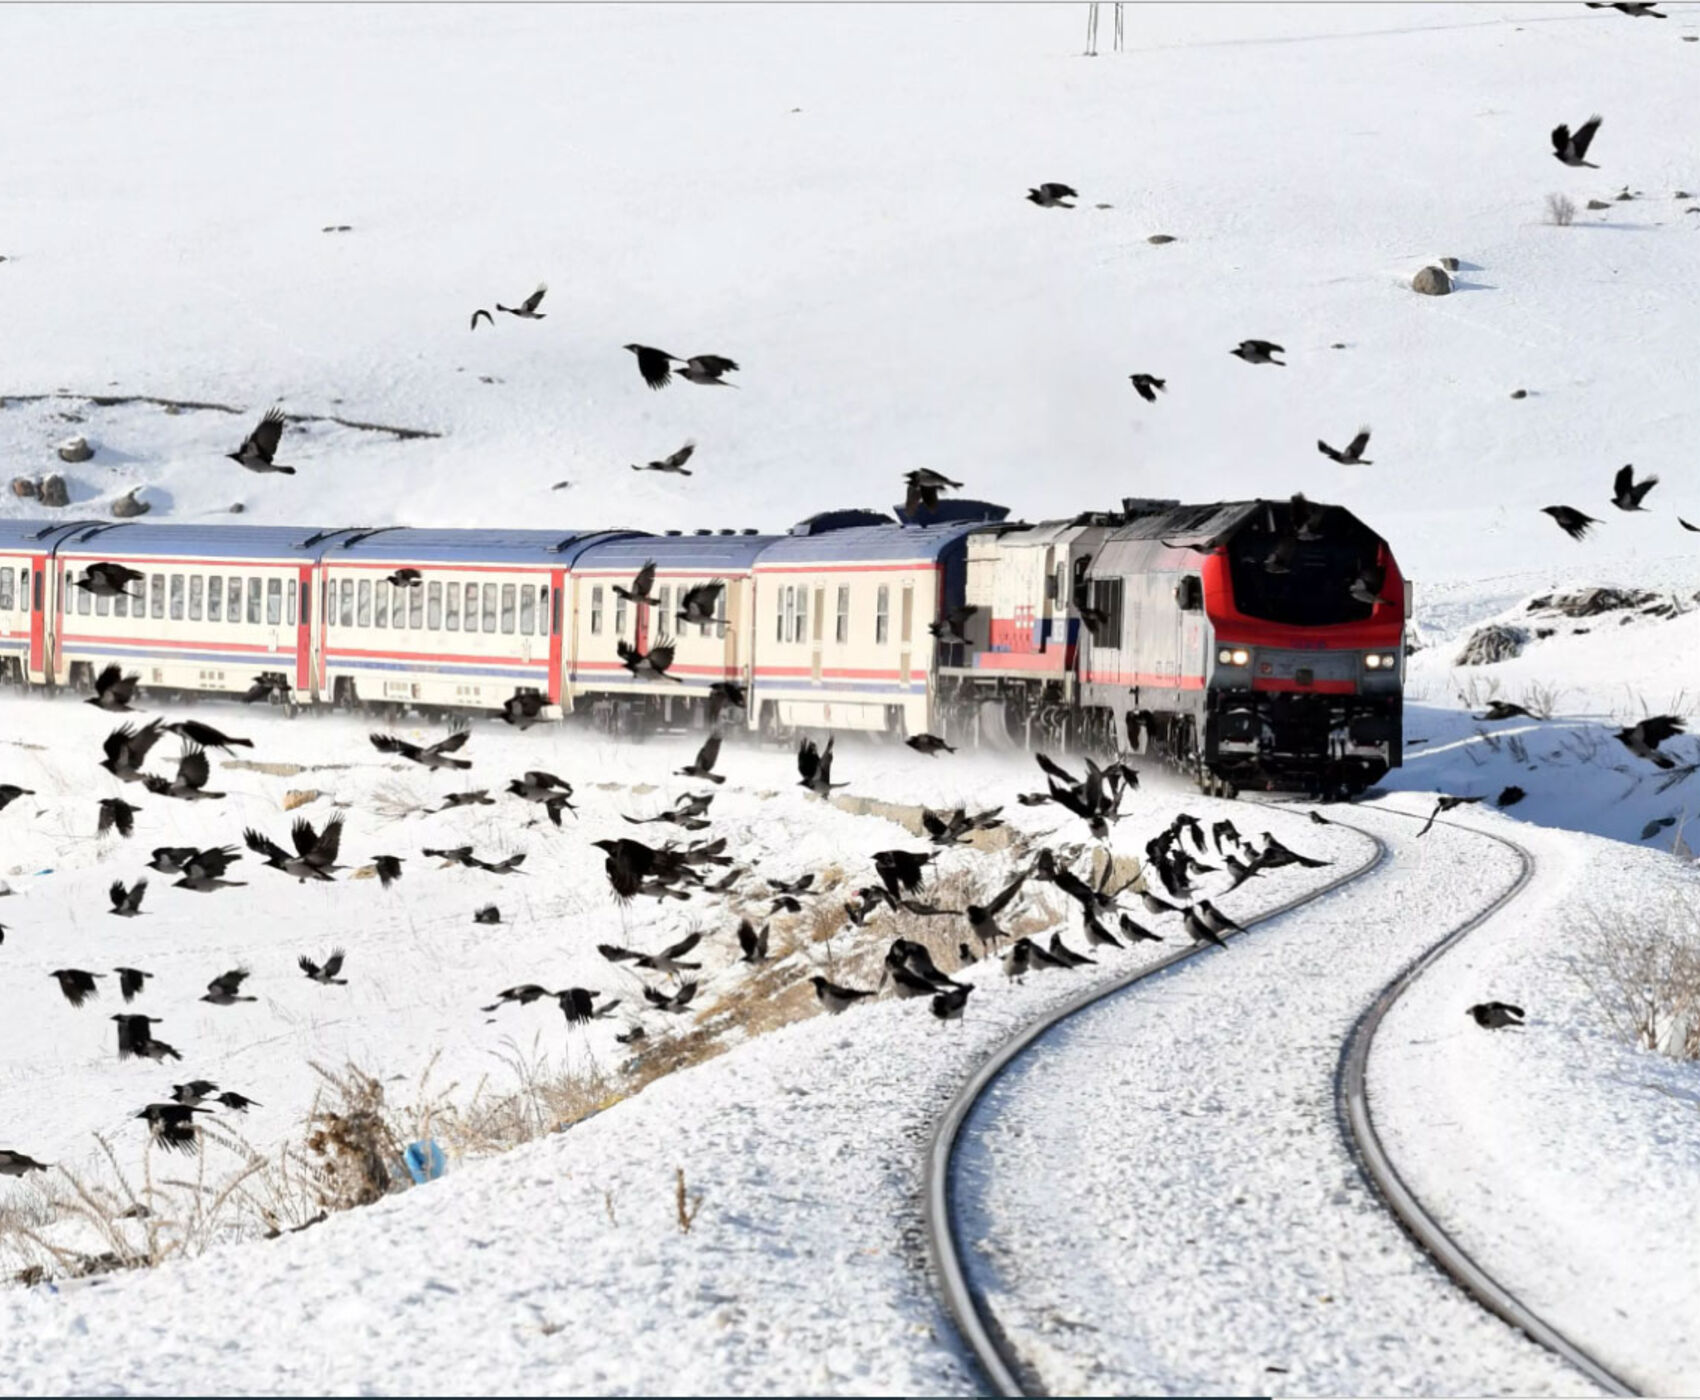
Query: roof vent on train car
[674,534]
[725,531]
[828,520]
[702,532]
[749,530]
[1135,506]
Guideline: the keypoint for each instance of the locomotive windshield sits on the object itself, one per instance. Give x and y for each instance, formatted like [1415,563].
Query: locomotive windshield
[1300,571]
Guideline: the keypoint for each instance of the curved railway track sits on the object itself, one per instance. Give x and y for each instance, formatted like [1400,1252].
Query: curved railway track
[975,1322]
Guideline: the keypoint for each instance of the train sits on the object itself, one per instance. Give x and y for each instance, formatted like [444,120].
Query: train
[1251,643]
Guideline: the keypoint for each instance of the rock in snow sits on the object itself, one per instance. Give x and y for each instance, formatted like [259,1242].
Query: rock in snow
[1432,282]
[1495,642]
[75,449]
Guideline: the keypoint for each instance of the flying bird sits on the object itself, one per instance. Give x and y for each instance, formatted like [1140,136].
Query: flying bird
[1353,456]
[922,495]
[1635,9]
[669,961]
[552,793]
[432,756]
[135,1033]
[11,792]
[225,989]
[673,462]
[127,749]
[130,980]
[1495,1015]
[983,918]
[477,797]
[1147,386]
[949,627]
[656,366]
[752,945]
[1445,804]
[387,869]
[78,986]
[1259,352]
[707,369]
[113,690]
[127,903]
[194,1092]
[194,732]
[527,309]
[18,1164]
[700,603]
[172,1124]
[116,813]
[260,446]
[1502,709]
[702,766]
[1571,148]
[675,1003]
[1509,796]
[204,871]
[724,693]
[929,744]
[1686,526]
[1627,493]
[190,784]
[642,582]
[1572,522]
[815,765]
[489,319]
[264,687]
[523,710]
[1643,739]
[406,578]
[327,975]
[108,580]
[656,660]
[237,1103]
[1052,195]
[315,851]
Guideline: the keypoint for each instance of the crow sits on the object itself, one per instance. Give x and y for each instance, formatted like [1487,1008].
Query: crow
[901,872]
[1446,804]
[1572,522]
[674,462]
[1509,796]
[432,756]
[983,918]
[675,1003]
[17,1164]
[1066,955]
[315,852]
[656,366]
[264,687]
[508,865]
[77,985]
[1627,493]
[1136,932]
[1571,148]
[948,1005]
[1502,709]
[578,1005]
[116,812]
[707,369]
[631,1035]
[798,886]
[192,1093]
[260,446]
[639,591]
[1215,918]
[700,602]
[656,660]
[1147,386]
[1274,855]
[172,1124]
[491,320]
[238,1103]
[1353,456]
[1200,931]
[632,866]
[406,578]
[1051,195]
[527,309]
[1495,1015]
[834,998]
[107,580]
[929,744]
[752,944]
[194,732]
[11,792]
[702,766]
[1097,936]
[170,860]
[1154,905]
[1695,529]
[127,903]
[523,710]
[190,784]
[949,628]
[223,990]
[1643,739]
[113,691]
[724,693]
[327,975]
[134,1033]
[552,793]
[815,765]
[522,995]
[387,869]
[669,961]
[478,797]
[1320,820]
[130,980]
[923,487]
[1635,9]
[489,914]
[1259,352]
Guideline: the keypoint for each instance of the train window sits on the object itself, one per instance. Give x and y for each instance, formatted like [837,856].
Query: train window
[908,612]
[451,610]
[363,603]
[1189,594]
[508,608]
[820,613]
[619,616]
[39,576]
[1107,599]
[472,607]
[156,594]
[882,615]
[596,611]
[779,615]
[381,596]
[487,613]
[434,606]
[7,592]
[720,615]
[416,608]
[543,609]
[233,609]
[102,607]
[215,599]
[306,599]
[274,601]
[254,600]
[197,596]
[664,613]
[83,601]
[790,633]
[527,610]
[841,633]
[177,597]
[289,615]
[347,618]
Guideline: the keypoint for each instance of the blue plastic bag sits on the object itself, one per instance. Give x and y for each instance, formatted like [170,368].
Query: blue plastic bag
[425,1161]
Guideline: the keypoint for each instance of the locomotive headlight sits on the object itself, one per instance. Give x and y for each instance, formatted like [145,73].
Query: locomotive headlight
[1381,661]
[1372,662]
[1233,656]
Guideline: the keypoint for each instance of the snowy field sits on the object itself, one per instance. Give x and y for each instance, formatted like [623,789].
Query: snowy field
[833,196]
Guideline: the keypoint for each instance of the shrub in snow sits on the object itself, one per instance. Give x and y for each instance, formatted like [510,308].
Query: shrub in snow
[1643,969]
[1495,642]
[1432,282]
[1561,209]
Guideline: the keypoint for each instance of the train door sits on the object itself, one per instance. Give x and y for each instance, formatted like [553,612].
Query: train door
[1189,624]
[303,628]
[907,632]
[641,641]
[557,638]
[38,618]
[816,631]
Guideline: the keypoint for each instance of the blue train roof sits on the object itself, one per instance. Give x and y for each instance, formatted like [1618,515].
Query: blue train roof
[135,539]
[708,554]
[403,544]
[869,542]
[33,534]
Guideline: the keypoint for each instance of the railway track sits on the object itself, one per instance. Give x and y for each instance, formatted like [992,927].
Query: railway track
[993,1351]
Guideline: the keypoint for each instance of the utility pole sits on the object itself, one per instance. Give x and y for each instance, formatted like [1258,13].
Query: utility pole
[1092,28]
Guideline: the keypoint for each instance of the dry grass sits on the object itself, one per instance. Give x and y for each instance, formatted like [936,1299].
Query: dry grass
[1561,210]
[1540,700]
[1643,970]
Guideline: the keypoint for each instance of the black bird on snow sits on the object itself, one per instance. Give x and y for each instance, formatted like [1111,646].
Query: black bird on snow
[948,1005]
[387,869]
[522,995]
[432,756]
[192,731]
[1502,709]
[1154,905]
[1573,522]
[1200,931]
[1635,9]
[922,495]
[1259,352]
[478,797]
[523,710]
[815,765]
[724,693]
[1052,195]
[527,309]
[18,1164]
[1136,932]
[907,953]
[1446,804]
[315,852]
[406,578]
[578,1005]
[983,918]
[489,319]
[134,1033]
[1643,739]
[260,446]
[669,961]
[929,744]
[1353,456]
[1066,955]
[634,868]
[1097,936]
[130,981]
[172,1124]
[835,998]
[225,989]
[656,660]
[264,687]
[1627,493]
[1320,820]
[77,985]
[115,812]
[325,976]
[631,1035]
[798,886]
[1495,1015]
[656,366]
[949,628]
[238,1103]
[674,462]
[702,766]
[1570,148]
[108,580]
[113,691]
[1024,955]
[1274,855]
[127,903]
[489,914]
[194,1092]
[1147,386]
[11,792]
[701,602]
[1215,918]
[1509,796]
[906,982]
[751,944]
[675,1003]
[552,793]
[190,784]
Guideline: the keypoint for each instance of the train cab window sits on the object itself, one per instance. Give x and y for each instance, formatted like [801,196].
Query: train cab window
[156,594]
[596,611]
[416,608]
[527,610]
[363,603]
[177,597]
[289,614]
[1307,585]
[434,606]
[274,601]
[882,615]
[508,608]
[1189,594]
[197,596]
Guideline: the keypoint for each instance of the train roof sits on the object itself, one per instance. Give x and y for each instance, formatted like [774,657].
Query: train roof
[33,534]
[134,539]
[704,553]
[868,542]
[405,544]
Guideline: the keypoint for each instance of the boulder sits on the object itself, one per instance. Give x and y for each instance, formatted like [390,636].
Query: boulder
[127,506]
[237,508]
[75,449]
[1598,204]
[1432,282]
[1495,642]
[24,486]
[1450,264]
[1161,238]
[1519,393]
[53,491]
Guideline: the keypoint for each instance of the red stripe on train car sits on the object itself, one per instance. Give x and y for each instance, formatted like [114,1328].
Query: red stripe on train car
[213,643]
